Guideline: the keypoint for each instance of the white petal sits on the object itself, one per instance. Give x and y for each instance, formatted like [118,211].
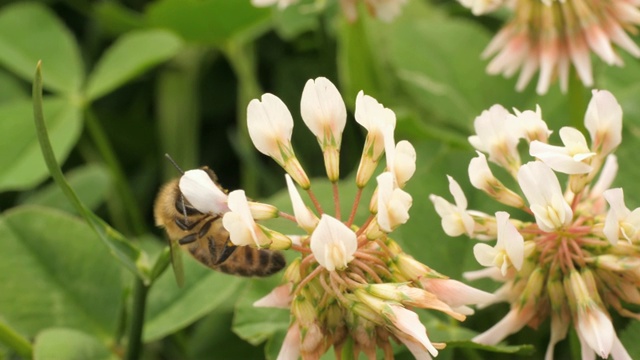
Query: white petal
[479,172]
[290,349]
[270,123]
[239,222]
[405,162]
[304,217]
[603,120]
[371,114]
[607,175]
[279,297]
[408,322]
[455,293]
[511,323]
[322,108]
[333,243]
[202,193]
[485,254]
[596,330]
[456,191]
[511,239]
[618,211]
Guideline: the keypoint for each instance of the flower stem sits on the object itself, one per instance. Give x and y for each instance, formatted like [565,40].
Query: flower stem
[336,200]
[137,321]
[354,208]
[15,341]
[315,201]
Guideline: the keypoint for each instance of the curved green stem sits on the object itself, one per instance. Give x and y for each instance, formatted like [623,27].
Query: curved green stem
[134,347]
[15,341]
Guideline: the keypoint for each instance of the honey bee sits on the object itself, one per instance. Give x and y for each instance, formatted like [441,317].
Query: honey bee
[206,239]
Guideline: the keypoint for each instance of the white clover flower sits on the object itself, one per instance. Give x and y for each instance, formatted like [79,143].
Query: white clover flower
[325,114]
[509,249]
[533,127]
[401,157]
[393,203]
[202,193]
[455,218]
[603,120]
[243,230]
[542,190]
[333,243]
[497,135]
[376,119]
[568,159]
[620,220]
[270,126]
[305,218]
[483,179]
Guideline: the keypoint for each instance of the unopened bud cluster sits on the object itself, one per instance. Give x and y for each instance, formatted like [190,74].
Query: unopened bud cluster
[352,281]
[574,259]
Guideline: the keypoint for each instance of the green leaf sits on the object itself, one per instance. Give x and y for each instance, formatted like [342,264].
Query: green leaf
[91,183]
[116,18]
[256,325]
[171,308]
[629,339]
[20,158]
[55,272]
[211,22]
[12,89]
[14,340]
[296,19]
[69,344]
[131,55]
[30,32]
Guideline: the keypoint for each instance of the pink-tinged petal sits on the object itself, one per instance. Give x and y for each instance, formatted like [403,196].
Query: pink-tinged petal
[279,297]
[304,217]
[603,120]
[454,293]
[323,110]
[515,320]
[595,328]
[202,193]
[333,243]
[618,352]
[408,322]
[417,349]
[290,349]
[270,125]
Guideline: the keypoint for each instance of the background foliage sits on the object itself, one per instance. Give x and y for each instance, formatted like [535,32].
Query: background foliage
[127,81]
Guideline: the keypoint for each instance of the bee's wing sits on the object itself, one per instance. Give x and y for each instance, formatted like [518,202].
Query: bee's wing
[176,262]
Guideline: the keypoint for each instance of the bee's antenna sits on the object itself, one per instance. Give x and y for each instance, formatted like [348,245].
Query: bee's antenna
[174,163]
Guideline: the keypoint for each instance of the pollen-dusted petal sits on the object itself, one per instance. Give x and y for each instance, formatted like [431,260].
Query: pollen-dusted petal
[202,193]
[270,124]
[603,120]
[304,217]
[323,110]
[333,243]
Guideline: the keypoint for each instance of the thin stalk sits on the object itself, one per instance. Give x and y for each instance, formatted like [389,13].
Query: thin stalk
[15,341]
[315,201]
[134,348]
[336,200]
[129,203]
[354,208]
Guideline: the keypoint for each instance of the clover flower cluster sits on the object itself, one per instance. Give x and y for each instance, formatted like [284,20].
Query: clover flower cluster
[574,259]
[550,35]
[352,281]
[385,10]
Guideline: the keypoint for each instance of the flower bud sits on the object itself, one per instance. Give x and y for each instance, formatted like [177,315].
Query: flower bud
[262,211]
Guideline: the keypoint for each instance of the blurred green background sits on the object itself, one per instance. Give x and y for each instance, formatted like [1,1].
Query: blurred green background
[127,81]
